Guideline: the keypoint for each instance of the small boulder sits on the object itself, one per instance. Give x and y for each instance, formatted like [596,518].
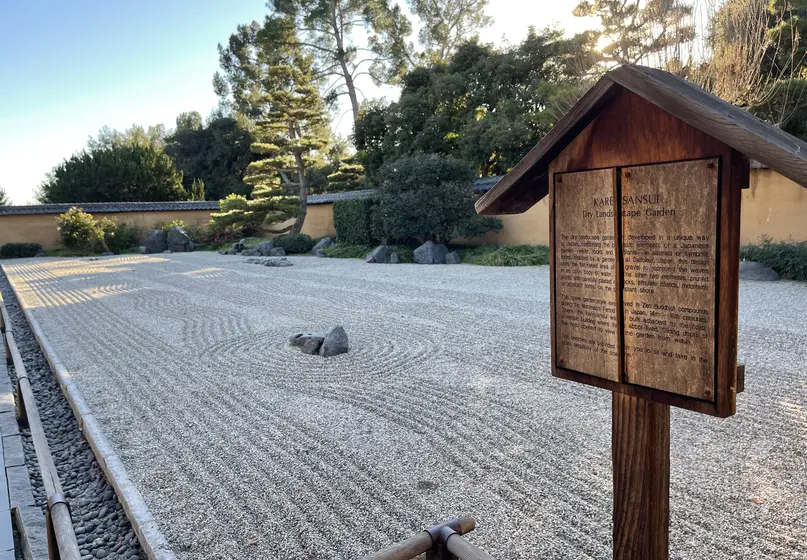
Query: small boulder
[378,255]
[750,270]
[335,342]
[41,254]
[312,344]
[277,252]
[155,241]
[144,250]
[178,240]
[323,244]
[107,254]
[298,339]
[431,253]
[250,253]
[282,261]
[240,245]
[231,251]
[453,258]
[223,252]
[393,258]
[265,247]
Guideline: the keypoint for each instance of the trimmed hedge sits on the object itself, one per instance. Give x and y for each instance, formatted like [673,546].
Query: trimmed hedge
[353,221]
[19,250]
[294,243]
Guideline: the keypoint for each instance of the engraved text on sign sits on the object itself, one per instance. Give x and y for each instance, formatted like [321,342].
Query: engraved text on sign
[585,273]
[669,239]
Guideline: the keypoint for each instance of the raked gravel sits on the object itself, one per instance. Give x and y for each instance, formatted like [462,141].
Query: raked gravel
[243,447]
[102,529]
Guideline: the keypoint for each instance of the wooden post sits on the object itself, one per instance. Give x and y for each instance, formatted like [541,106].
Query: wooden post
[640,448]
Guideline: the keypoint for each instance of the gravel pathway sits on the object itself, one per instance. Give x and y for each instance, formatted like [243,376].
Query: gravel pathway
[102,530]
[244,447]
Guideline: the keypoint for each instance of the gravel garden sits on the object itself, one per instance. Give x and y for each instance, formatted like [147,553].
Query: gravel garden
[244,446]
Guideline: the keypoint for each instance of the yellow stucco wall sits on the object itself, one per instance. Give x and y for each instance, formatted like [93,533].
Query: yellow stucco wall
[41,228]
[319,220]
[772,206]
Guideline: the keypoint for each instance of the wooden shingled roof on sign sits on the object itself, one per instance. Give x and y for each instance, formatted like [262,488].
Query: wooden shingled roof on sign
[528,181]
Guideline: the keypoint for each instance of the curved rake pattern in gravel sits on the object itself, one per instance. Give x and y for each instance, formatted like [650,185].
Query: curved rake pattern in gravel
[443,406]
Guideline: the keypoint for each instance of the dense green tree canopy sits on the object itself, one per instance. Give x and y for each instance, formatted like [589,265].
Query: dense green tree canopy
[217,154]
[485,106]
[114,174]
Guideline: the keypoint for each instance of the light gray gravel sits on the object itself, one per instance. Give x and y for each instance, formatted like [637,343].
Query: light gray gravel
[243,447]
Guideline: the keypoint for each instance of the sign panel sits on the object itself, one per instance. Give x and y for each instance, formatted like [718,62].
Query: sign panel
[636,282]
[585,274]
[669,240]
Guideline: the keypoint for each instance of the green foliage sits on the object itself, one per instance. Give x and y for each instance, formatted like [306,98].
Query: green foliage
[343,251]
[295,243]
[197,234]
[424,197]
[486,106]
[119,237]
[477,226]
[349,176]
[352,220]
[4,198]
[19,250]
[788,258]
[114,174]
[78,229]
[197,190]
[216,154]
[447,23]
[506,255]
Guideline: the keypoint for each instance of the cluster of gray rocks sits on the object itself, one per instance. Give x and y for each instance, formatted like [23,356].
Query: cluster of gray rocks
[331,344]
[428,253]
[265,249]
[177,241]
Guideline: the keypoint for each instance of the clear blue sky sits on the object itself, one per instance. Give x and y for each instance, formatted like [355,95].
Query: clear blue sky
[70,67]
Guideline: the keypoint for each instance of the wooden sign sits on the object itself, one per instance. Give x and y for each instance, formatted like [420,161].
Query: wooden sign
[636,282]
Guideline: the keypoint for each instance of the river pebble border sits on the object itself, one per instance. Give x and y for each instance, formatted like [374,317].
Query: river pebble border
[102,529]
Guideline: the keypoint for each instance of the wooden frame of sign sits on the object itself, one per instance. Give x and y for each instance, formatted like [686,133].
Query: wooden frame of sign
[644,232]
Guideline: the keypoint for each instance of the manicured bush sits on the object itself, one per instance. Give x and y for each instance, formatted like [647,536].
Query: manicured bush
[478,226]
[19,250]
[119,237]
[788,258]
[425,196]
[294,243]
[352,220]
[78,229]
[506,255]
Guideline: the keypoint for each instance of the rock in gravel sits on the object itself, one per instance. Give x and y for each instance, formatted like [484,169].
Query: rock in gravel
[453,258]
[143,250]
[240,245]
[312,345]
[321,254]
[265,247]
[234,250]
[323,244]
[431,253]
[277,252]
[155,241]
[378,255]
[750,270]
[282,261]
[179,241]
[335,343]
[223,252]
[250,253]
[393,258]
[299,339]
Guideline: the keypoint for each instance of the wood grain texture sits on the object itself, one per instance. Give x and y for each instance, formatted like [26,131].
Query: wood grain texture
[631,131]
[640,448]
[739,129]
[670,239]
[585,273]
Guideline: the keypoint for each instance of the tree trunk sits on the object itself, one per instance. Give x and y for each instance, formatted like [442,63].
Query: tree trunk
[298,223]
[341,57]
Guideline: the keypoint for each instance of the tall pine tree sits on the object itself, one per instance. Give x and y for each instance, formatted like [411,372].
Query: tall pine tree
[349,176]
[291,127]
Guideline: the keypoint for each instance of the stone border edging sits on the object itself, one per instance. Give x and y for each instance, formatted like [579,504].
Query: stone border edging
[145,526]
